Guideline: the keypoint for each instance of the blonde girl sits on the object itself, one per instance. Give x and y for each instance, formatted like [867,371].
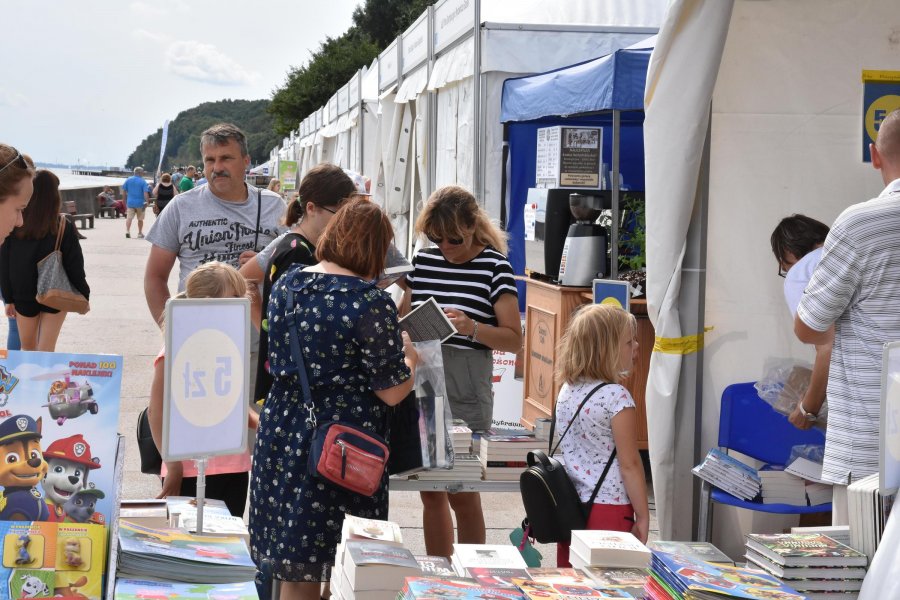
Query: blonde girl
[598,347]
[227,477]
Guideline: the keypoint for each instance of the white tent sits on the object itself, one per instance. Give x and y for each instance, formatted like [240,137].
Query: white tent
[783,136]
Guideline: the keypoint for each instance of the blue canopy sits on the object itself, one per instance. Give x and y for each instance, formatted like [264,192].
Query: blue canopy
[612,82]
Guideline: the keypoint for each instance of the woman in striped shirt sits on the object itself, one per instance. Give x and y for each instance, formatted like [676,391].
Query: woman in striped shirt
[471,279]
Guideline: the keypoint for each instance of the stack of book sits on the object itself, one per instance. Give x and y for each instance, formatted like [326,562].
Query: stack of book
[676,576]
[729,475]
[174,555]
[818,493]
[503,454]
[214,524]
[697,550]
[607,548]
[777,486]
[357,529]
[371,570]
[486,556]
[461,436]
[812,563]
[869,510]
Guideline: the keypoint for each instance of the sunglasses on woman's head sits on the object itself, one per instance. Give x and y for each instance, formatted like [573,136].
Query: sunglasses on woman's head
[19,159]
[452,241]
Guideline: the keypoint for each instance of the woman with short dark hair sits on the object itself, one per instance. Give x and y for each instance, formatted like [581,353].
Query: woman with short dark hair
[357,365]
[34,240]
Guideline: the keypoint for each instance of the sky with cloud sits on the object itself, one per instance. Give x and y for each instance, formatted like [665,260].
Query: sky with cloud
[86,82]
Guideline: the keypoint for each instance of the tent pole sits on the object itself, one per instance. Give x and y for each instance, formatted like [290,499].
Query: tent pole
[478,167]
[614,178]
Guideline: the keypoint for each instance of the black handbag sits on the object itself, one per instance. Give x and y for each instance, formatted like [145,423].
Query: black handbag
[151,461]
[404,438]
[552,506]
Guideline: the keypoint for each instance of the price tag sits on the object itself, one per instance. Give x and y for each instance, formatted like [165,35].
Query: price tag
[889,450]
[207,372]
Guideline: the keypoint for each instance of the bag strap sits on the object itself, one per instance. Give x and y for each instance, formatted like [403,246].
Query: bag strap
[590,502]
[297,356]
[575,416]
[258,211]
[60,232]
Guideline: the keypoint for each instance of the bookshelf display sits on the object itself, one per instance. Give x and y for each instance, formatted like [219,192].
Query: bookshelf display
[547,313]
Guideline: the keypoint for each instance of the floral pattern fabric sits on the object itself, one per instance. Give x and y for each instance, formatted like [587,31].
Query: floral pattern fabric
[588,445]
[351,346]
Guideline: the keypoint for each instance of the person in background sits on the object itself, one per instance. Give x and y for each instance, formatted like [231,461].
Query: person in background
[176,177]
[16,187]
[39,325]
[107,198]
[599,347]
[324,188]
[852,300]
[275,186]
[469,276]
[227,477]
[358,364]
[137,196]
[164,192]
[200,179]
[186,183]
[797,245]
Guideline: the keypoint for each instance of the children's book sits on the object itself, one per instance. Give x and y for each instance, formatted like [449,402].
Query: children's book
[497,576]
[62,408]
[631,581]
[699,550]
[805,550]
[457,588]
[791,573]
[140,589]
[694,578]
[52,559]
[535,590]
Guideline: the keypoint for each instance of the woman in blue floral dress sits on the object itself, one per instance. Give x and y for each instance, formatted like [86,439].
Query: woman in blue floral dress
[357,364]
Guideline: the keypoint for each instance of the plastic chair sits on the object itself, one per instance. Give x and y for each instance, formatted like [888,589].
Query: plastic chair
[750,426]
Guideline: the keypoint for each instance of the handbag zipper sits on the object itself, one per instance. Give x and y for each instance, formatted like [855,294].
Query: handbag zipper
[541,479]
[343,459]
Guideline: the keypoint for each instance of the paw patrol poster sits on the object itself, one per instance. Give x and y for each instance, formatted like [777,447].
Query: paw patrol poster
[58,418]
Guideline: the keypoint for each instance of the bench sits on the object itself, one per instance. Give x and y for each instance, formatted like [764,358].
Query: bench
[71,213]
[109,212]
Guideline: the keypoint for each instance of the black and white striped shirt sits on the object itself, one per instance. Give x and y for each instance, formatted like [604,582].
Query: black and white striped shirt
[856,286]
[472,287]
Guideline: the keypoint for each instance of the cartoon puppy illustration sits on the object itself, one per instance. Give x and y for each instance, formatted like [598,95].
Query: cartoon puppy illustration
[33,587]
[79,508]
[69,461]
[22,466]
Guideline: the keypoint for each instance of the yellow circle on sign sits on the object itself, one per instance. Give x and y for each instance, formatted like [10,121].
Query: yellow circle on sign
[612,301]
[207,378]
[887,104]
[892,417]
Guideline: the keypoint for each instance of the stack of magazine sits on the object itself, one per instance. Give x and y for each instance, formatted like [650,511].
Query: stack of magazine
[729,474]
[174,555]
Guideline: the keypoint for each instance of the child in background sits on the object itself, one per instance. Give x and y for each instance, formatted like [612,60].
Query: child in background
[227,477]
[599,346]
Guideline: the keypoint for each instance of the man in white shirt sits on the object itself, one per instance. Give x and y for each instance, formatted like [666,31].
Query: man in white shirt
[856,289]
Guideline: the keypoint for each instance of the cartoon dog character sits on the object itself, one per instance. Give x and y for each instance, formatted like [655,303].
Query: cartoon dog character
[79,508]
[33,587]
[22,466]
[69,461]
[71,590]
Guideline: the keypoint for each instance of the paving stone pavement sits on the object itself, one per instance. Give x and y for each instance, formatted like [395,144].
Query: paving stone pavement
[120,323]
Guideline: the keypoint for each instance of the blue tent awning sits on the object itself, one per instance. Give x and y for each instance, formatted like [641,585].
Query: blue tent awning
[612,82]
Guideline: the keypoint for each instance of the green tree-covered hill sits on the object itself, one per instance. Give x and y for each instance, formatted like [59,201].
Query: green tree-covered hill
[183,146]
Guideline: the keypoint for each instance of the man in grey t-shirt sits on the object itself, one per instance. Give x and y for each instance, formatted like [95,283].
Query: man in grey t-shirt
[225,220]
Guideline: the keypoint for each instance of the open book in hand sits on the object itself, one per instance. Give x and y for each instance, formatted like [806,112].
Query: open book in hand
[427,322]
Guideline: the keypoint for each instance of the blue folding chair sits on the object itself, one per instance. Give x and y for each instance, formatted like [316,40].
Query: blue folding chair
[750,426]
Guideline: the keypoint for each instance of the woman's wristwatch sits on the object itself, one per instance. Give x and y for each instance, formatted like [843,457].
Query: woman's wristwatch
[474,331]
[811,417]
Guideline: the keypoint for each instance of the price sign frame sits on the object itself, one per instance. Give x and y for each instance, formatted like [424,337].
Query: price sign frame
[207,343]
[889,431]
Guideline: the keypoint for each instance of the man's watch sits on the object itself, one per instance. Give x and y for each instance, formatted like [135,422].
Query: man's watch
[811,417]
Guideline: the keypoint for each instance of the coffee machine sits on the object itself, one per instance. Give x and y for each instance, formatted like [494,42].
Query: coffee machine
[584,251]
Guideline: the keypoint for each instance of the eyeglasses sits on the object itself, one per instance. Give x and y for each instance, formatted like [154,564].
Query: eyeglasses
[19,160]
[451,241]
[334,212]
[781,271]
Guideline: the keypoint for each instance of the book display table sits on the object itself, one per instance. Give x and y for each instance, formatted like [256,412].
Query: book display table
[402,484]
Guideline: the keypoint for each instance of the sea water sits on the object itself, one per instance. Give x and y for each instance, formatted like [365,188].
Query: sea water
[70,181]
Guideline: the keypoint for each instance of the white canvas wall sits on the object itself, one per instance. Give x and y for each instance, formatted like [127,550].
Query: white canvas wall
[786,138]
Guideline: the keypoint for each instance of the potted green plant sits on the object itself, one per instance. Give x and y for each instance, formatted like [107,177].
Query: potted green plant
[632,245]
